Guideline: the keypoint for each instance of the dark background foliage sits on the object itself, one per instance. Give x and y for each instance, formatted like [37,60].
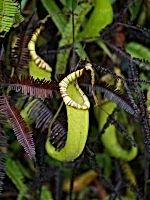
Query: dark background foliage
[31,109]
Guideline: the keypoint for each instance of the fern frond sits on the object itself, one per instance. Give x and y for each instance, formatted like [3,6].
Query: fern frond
[40,114]
[3,143]
[32,87]
[137,31]
[58,135]
[106,70]
[131,97]
[2,170]
[3,138]
[111,120]
[9,14]
[123,54]
[42,117]
[114,95]
[19,57]
[144,117]
[19,126]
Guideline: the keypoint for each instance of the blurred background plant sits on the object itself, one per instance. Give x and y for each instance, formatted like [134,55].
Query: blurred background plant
[111,34]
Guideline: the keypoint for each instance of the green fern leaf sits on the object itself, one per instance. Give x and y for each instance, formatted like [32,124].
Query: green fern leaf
[9,15]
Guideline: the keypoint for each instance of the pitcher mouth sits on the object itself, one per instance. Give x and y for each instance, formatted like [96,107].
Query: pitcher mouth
[73,77]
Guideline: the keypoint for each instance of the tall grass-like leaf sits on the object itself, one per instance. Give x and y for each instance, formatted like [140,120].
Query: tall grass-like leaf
[19,126]
[135,8]
[97,21]
[16,176]
[56,14]
[9,14]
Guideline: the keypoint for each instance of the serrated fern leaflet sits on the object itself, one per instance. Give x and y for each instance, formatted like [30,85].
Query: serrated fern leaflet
[32,87]
[19,126]
[9,14]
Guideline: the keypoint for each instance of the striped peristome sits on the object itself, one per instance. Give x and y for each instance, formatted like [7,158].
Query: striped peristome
[31,46]
[70,78]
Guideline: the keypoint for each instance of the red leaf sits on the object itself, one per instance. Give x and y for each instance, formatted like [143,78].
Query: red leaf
[19,126]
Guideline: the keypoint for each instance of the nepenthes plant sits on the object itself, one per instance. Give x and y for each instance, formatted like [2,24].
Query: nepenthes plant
[74,98]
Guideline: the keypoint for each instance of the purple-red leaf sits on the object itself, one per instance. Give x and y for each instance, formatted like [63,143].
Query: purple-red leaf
[19,56]
[33,87]
[19,126]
